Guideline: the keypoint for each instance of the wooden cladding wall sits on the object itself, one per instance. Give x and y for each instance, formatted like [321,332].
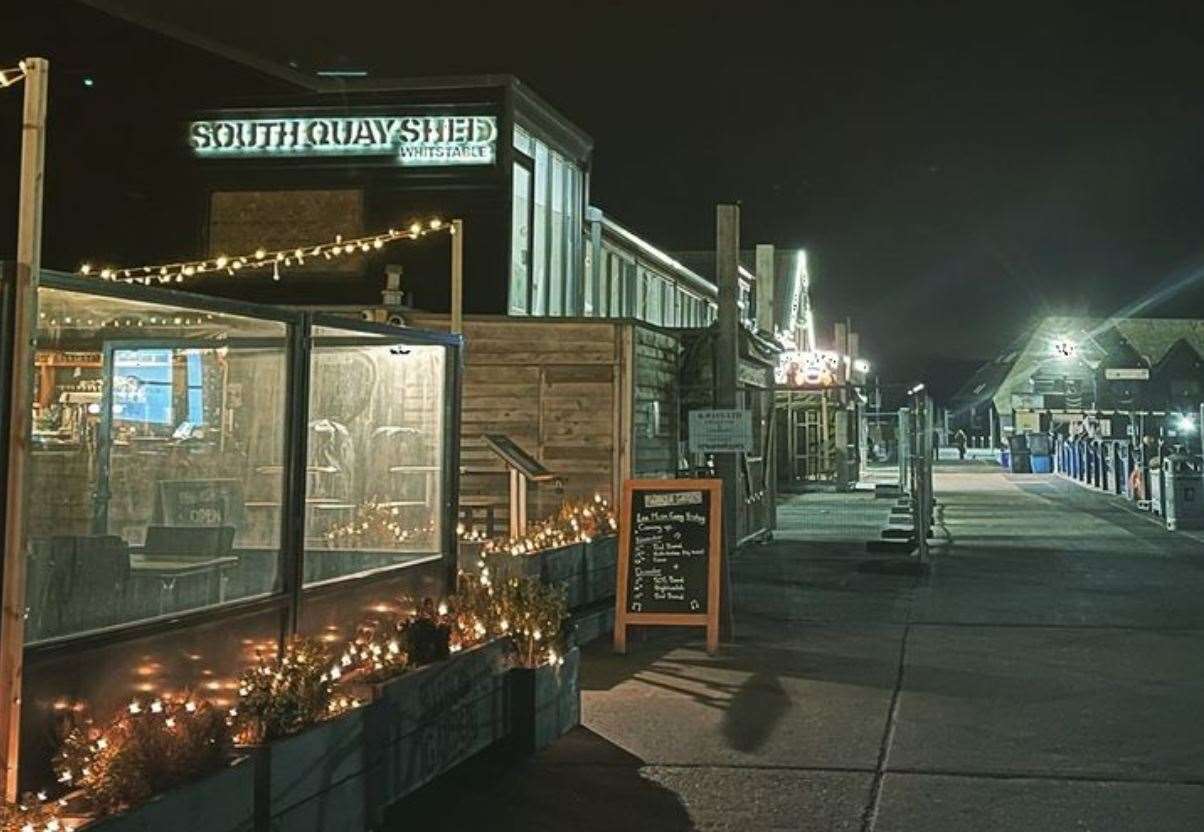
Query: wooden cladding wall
[655,414]
[552,387]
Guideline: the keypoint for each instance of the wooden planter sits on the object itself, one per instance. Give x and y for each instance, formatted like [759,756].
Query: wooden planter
[564,566]
[425,722]
[601,561]
[544,703]
[585,570]
[221,802]
[315,780]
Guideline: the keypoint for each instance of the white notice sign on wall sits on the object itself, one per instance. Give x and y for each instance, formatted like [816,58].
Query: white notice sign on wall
[720,431]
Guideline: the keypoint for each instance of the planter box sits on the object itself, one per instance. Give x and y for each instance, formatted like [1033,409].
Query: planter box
[544,703]
[565,567]
[427,721]
[315,780]
[601,563]
[468,556]
[585,570]
[505,567]
[222,802]
[593,623]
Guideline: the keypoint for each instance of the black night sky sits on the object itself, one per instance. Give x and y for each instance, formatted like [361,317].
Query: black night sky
[953,171]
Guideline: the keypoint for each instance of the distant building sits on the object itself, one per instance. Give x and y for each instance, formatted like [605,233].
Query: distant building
[1123,372]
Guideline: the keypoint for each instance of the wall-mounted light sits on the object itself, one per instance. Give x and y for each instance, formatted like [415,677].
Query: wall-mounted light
[1185,423]
[1064,349]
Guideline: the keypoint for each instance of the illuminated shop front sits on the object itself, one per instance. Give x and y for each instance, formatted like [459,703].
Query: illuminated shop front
[550,285]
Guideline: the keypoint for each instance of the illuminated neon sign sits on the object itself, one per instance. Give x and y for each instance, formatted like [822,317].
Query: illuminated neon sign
[809,368]
[415,141]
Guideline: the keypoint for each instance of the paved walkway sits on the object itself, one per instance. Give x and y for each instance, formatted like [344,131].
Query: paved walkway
[1048,674]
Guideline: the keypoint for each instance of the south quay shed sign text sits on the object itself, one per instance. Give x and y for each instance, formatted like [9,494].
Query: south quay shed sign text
[415,141]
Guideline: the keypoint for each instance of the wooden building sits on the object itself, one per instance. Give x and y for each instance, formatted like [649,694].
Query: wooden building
[595,401]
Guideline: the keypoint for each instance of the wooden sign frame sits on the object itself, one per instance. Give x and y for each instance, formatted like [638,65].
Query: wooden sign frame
[710,617]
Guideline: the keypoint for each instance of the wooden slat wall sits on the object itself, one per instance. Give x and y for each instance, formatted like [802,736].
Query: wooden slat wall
[655,382]
[551,386]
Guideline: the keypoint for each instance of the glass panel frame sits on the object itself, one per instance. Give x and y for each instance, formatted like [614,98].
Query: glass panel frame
[301,333]
[521,244]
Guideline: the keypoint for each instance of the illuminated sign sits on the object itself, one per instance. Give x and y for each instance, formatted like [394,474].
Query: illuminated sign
[415,141]
[1127,374]
[811,368]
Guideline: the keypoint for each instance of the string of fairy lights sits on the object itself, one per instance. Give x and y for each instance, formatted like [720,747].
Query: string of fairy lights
[12,74]
[263,258]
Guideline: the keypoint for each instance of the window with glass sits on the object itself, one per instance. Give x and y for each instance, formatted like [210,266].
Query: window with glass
[539,233]
[375,484]
[548,254]
[520,241]
[155,469]
[557,259]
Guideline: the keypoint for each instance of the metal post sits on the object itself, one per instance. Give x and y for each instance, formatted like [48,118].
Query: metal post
[457,276]
[293,515]
[926,425]
[766,321]
[727,357]
[25,305]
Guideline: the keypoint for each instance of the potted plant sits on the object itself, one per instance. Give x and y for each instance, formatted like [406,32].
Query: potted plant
[544,698]
[308,740]
[557,550]
[160,763]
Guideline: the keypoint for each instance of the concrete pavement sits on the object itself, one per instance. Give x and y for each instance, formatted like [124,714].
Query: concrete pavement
[1047,674]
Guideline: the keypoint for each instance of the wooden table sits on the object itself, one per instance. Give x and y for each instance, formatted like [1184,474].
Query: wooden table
[168,569]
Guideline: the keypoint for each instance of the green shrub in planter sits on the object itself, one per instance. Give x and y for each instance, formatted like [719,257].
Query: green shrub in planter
[544,702]
[283,696]
[149,748]
[223,801]
[309,741]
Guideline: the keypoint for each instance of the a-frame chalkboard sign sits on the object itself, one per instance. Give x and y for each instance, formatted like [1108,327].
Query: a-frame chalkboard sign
[670,545]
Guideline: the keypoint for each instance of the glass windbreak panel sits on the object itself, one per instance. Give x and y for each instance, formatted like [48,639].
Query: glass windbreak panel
[375,470]
[520,241]
[156,470]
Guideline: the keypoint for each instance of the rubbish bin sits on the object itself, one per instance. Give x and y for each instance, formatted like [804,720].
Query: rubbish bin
[1124,469]
[1040,450]
[1018,454]
[1182,485]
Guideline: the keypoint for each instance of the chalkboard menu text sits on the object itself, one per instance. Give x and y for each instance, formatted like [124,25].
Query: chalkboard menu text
[669,550]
